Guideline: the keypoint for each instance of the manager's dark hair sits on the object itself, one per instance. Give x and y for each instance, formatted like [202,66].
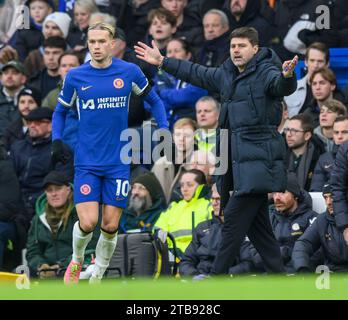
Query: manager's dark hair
[246,32]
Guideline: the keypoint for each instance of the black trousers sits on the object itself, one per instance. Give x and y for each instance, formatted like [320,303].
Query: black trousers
[247,215]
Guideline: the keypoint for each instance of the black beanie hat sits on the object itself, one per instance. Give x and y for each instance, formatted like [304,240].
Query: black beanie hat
[151,183]
[327,188]
[35,94]
[293,186]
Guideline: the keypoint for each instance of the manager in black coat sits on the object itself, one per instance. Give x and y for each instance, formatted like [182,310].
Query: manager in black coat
[251,85]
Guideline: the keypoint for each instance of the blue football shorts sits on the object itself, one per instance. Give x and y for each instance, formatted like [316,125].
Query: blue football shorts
[106,185]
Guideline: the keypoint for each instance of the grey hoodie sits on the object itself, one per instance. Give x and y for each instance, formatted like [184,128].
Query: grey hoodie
[328,143]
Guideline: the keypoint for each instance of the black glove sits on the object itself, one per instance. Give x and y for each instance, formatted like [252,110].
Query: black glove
[59,152]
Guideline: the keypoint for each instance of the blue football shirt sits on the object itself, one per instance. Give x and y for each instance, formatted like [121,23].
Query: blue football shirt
[102,98]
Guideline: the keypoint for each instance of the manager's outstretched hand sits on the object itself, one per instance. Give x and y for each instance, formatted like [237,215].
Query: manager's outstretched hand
[148,54]
[289,66]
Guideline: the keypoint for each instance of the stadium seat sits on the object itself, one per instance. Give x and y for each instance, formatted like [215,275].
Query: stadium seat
[318,202]
[338,63]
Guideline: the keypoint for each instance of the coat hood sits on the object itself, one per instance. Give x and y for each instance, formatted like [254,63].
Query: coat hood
[264,55]
[325,140]
[202,191]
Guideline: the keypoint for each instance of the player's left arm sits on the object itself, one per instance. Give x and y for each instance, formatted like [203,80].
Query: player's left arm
[157,107]
[142,88]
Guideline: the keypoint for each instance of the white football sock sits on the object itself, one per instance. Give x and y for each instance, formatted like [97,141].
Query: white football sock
[80,242]
[104,251]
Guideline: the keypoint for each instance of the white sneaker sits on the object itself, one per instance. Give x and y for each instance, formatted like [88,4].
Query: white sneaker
[88,272]
[94,280]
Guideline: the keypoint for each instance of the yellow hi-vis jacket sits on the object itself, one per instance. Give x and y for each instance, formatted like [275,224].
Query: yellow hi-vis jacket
[177,219]
[206,141]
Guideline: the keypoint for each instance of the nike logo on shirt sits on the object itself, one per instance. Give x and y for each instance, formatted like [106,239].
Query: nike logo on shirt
[85,88]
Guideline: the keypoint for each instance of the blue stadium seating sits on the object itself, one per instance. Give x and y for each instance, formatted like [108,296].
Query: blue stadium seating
[338,63]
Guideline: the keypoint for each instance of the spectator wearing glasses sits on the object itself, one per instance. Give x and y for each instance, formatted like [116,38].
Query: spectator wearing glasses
[303,152]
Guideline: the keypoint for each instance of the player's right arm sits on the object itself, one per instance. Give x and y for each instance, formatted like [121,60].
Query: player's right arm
[66,99]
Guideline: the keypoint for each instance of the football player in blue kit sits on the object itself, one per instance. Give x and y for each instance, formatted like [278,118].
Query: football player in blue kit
[102,89]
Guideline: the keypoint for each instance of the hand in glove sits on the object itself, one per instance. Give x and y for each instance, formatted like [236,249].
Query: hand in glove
[292,41]
[60,153]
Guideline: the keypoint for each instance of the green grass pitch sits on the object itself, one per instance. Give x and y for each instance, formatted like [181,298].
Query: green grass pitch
[299,287]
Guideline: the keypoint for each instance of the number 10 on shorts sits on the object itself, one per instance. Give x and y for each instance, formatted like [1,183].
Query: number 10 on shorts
[122,187]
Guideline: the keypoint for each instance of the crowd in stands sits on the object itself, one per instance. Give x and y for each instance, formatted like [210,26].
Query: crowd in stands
[176,191]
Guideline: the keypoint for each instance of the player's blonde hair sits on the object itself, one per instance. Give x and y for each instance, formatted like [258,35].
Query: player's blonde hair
[103,26]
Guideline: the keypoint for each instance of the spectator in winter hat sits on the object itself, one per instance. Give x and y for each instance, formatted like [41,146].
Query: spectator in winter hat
[28,100]
[54,21]
[145,204]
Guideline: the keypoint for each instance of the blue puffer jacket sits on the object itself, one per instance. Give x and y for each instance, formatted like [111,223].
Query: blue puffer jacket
[200,254]
[325,234]
[339,184]
[288,227]
[251,111]
[323,168]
